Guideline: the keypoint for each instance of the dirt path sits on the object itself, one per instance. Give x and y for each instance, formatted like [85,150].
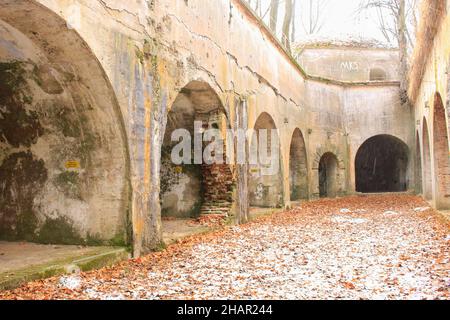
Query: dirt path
[379,247]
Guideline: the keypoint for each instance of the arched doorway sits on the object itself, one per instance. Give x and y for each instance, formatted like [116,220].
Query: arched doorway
[441,155]
[427,180]
[381,165]
[418,167]
[266,177]
[377,74]
[298,167]
[191,185]
[64,167]
[328,175]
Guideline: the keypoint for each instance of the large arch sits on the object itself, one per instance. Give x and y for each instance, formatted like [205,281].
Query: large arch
[381,165]
[194,187]
[266,176]
[328,175]
[64,162]
[426,156]
[298,167]
[441,154]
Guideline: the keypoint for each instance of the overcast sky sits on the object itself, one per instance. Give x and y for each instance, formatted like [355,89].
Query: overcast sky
[341,20]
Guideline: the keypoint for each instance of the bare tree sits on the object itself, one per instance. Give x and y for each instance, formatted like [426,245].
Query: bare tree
[288,28]
[256,6]
[274,6]
[390,14]
[313,18]
[403,47]
[397,21]
[287,24]
[294,21]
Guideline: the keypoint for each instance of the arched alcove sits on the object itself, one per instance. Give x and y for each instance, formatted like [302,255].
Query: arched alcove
[377,74]
[441,154]
[64,164]
[298,167]
[328,175]
[426,154]
[195,187]
[266,177]
[418,167]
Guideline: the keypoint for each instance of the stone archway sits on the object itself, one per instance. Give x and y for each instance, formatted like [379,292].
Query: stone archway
[298,167]
[192,187]
[441,154]
[64,162]
[426,156]
[266,176]
[381,165]
[328,175]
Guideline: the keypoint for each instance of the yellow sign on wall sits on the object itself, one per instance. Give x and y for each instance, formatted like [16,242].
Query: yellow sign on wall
[179,169]
[73,164]
[254,170]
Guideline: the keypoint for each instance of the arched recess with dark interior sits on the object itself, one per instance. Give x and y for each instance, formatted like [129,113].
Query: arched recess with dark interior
[298,167]
[328,175]
[418,166]
[266,176]
[63,153]
[381,165]
[426,154]
[192,187]
[441,155]
[377,74]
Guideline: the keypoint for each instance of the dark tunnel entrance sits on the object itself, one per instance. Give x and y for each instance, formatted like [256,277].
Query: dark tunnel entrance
[381,165]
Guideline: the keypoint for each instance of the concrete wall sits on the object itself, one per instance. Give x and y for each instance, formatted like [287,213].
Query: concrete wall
[64,167]
[376,111]
[349,63]
[435,83]
[148,51]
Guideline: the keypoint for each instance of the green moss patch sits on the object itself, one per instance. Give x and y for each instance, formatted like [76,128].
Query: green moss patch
[68,182]
[94,259]
[59,230]
[19,126]
[22,178]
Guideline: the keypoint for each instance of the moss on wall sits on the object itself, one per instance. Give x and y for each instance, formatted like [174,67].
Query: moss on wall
[59,230]
[68,182]
[65,123]
[19,126]
[32,108]
[23,176]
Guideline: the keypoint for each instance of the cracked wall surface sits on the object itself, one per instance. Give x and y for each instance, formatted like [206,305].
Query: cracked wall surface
[150,50]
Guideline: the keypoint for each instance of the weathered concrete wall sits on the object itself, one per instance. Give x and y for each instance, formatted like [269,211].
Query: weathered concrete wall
[373,111]
[435,87]
[63,159]
[149,52]
[326,133]
[298,168]
[349,63]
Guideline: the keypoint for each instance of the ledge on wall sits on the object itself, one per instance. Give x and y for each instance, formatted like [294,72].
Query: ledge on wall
[53,261]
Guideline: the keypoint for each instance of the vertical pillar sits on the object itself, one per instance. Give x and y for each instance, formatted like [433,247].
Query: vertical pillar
[148,122]
[242,167]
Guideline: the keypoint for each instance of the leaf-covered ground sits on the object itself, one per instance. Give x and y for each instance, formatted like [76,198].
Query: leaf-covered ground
[378,247]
